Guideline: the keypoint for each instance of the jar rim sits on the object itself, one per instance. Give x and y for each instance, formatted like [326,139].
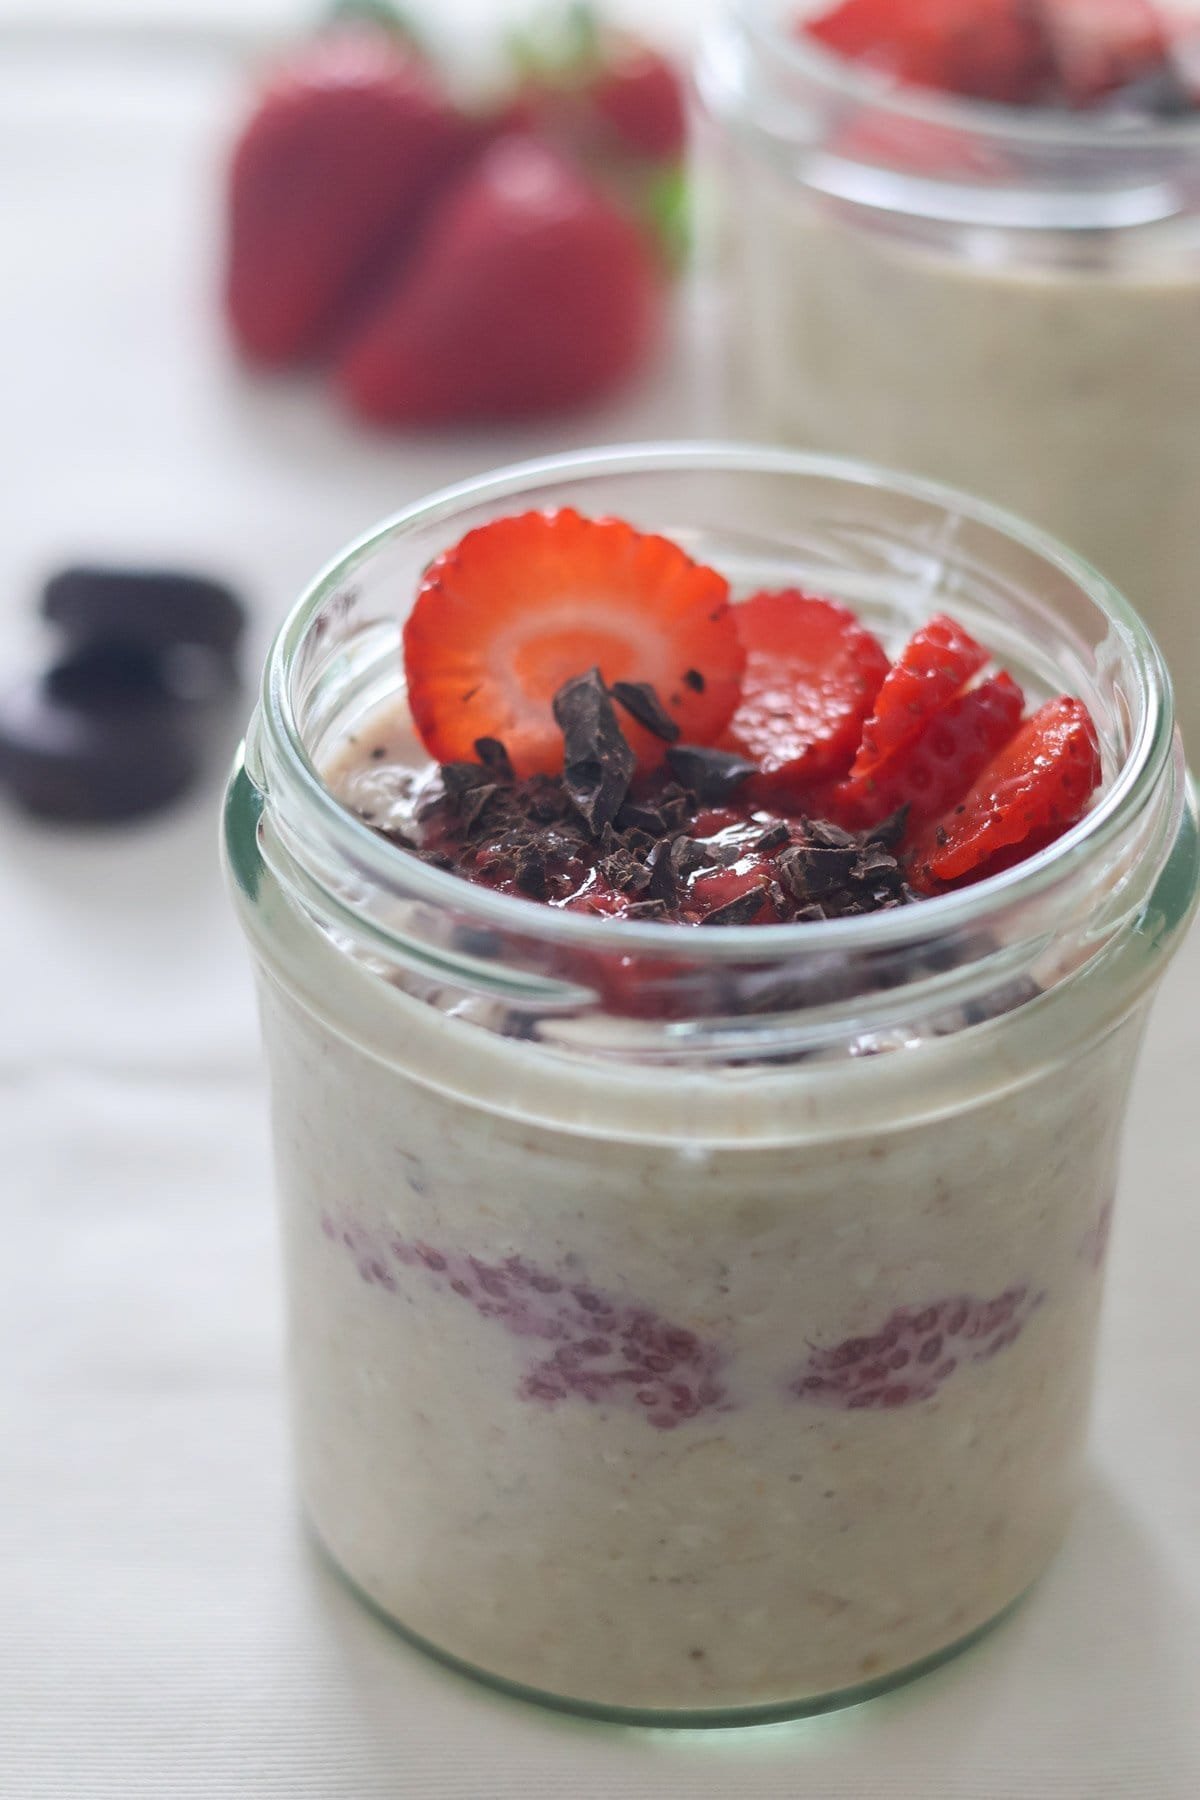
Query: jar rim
[295,778]
[1030,127]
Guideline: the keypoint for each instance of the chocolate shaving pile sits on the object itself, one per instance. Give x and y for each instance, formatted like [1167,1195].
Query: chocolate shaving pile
[599,764]
[547,834]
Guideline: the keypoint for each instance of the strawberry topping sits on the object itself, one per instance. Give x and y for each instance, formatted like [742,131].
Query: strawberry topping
[983,49]
[524,604]
[1064,53]
[812,676]
[1035,789]
[952,749]
[615,738]
[934,665]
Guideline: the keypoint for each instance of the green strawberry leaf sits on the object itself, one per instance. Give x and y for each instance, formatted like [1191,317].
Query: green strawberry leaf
[565,45]
[667,211]
[381,13]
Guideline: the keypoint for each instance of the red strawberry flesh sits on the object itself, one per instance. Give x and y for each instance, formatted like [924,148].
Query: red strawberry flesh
[526,603]
[812,676]
[1030,794]
[935,665]
[928,776]
[529,294]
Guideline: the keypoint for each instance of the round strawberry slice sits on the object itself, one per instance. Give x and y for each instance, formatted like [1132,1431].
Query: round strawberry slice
[936,664]
[937,768]
[1035,789]
[526,603]
[812,674]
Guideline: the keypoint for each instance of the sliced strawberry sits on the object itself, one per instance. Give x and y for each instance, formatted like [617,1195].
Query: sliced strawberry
[812,675]
[529,294]
[934,665]
[1102,46]
[347,147]
[929,775]
[523,604]
[983,49]
[1034,790]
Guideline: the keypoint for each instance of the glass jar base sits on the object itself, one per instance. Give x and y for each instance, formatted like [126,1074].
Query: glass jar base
[705,1718]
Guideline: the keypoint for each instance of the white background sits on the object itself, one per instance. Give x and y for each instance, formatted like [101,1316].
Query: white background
[164,1630]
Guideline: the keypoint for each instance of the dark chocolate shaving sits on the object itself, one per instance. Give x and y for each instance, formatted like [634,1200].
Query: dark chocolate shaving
[662,884]
[598,761]
[742,911]
[711,775]
[889,831]
[643,704]
[647,909]
[495,759]
[828,836]
[459,778]
[1162,94]
[809,873]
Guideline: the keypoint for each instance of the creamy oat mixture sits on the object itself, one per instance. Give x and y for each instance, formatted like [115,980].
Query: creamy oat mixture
[668,1388]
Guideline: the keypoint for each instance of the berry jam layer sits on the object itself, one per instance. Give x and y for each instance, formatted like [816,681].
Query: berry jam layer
[1127,56]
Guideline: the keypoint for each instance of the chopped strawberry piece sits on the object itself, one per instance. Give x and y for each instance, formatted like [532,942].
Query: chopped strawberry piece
[524,604]
[812,676]
[1035,789]
[935,664]
[983,49]
[1104,45]
[933,772]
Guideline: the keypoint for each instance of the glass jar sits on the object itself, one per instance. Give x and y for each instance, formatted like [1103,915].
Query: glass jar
[697,1327]
[1008,300]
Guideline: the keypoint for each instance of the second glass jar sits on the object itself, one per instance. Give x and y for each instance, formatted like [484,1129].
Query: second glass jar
[1006,300]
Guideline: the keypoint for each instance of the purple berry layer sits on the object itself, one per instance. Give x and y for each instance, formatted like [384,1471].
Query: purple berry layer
[914,1352]
[604,1350]
[593,1347]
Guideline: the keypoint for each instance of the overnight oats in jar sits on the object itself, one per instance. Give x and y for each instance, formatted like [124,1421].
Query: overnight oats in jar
[964,239]
[706,903]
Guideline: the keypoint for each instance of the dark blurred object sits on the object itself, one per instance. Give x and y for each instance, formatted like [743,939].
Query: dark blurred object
[150,608]
[117,726]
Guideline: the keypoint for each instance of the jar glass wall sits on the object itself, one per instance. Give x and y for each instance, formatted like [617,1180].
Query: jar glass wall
[698,1327]
[1007,300]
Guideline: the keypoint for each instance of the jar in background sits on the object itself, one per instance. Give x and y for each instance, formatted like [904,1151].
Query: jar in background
[1009,300]
[697,1327]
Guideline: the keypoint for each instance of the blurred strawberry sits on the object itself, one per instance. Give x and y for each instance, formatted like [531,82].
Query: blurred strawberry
[598,91]
[1103,46]
[615,105]
[528,293]
[348,145]
[986,49]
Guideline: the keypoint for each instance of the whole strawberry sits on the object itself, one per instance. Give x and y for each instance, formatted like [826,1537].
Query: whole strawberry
[529,293]
[347,147]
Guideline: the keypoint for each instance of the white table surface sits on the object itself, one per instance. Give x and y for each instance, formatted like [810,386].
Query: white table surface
[164,1630]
